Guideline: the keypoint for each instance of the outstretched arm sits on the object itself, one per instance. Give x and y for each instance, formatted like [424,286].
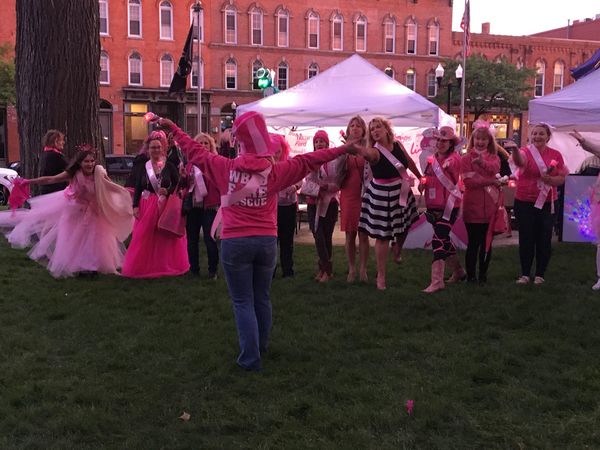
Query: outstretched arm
[60,178]
[594,149]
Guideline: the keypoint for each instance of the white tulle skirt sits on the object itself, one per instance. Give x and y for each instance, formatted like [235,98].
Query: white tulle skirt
[65,235]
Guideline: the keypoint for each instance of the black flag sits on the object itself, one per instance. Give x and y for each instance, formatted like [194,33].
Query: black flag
[184,68]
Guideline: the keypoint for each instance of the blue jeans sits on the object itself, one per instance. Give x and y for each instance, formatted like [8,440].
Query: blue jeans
[248,264]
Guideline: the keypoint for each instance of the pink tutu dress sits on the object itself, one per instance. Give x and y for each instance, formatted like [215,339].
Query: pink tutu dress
[153,252]
[77,229]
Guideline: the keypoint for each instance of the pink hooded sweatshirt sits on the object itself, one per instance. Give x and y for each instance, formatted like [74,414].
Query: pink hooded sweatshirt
[256,214]
[478,204]
[436,195]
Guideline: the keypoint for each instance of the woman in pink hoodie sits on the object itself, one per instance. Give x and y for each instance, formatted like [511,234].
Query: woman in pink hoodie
[249,187]
[442,197]
[482,190]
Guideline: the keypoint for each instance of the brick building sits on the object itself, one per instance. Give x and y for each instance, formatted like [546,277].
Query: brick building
[142,40]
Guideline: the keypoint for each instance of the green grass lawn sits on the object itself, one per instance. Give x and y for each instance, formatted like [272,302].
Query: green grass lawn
[112,362]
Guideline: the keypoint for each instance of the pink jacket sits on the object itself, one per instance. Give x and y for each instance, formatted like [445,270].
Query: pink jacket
[481,195]
[256,215]
[436,195]
[527,188]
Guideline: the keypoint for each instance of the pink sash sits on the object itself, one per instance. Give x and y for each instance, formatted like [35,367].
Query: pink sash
[406,182]
[544,188]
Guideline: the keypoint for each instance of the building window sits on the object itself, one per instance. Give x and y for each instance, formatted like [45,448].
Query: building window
[313,30]
[313,70]
[104,68]
[194,21]
[166,70]
[230,74]
[431,85]
[166,21]
[135,69]
[540,68]
[256,26]
[389,35]
[257,64]
[433,40]
[519,64]
[559,76]
[134,18]
[230,25]
[389,72]
[103,10]
[410,79]
[136,128]
[361,34]
[282,76]
[411,38]
[337,32]
[283,26]
[194,78]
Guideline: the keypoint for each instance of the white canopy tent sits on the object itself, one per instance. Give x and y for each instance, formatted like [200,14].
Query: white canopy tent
[576,107]
[353,86]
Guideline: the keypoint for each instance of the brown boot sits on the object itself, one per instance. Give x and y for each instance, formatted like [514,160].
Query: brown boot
[458,273]
[437,277]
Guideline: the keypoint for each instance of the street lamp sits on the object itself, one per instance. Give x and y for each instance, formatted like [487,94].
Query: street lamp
[439,75]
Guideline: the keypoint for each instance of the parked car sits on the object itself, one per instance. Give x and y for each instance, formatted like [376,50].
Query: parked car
[6,181]
[119,167]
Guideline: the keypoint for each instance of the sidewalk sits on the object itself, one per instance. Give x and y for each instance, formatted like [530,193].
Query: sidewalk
[304,236]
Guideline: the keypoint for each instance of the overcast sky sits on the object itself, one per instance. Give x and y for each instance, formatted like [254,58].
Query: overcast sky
[519,17]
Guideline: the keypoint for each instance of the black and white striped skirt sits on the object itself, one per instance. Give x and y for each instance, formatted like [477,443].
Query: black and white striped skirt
[381,215]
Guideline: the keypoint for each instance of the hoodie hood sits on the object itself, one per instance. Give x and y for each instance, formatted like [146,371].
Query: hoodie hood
[251,163]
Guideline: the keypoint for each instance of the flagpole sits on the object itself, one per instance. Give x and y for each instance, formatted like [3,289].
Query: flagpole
[197,11]
[464,80]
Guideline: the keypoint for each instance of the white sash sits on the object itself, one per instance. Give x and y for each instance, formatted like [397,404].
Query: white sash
[198,186]
[452,189]
[406,182]
[235,197]
[152,177]
[543,187]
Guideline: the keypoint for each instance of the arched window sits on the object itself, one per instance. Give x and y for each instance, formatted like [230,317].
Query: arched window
[230,17]
[540,68]
[230,74]
[411,37]
[195,73]
[282,76]
[257,64]
[103,13]
[389,71]
[256,26]
[313,30]
[410,79]
[389,35]
[194,21]
[166,20]
[104,68]
[134,18]
[313,70]
[519,64]
[283,25]
[360,32]
[337,32]
[559,76]
[431,84]
[433,38]
[166,70]
[135,69]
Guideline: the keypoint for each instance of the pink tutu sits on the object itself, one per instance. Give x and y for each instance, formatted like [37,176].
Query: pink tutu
[154,253]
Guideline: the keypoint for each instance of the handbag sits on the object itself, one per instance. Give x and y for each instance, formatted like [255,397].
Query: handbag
[310,188]
[501,221]
[171,219]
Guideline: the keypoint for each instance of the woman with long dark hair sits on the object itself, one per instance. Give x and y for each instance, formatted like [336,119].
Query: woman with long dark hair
[79,229]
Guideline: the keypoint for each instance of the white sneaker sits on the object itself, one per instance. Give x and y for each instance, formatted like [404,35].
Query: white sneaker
[522,280]
[596,287]
[538,280]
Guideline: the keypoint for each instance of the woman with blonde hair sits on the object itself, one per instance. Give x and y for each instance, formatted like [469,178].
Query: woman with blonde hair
[388,207]
[480,201]
[200,206]
[358,175]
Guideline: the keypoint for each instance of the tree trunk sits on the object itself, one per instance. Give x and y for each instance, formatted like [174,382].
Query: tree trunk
[57,70]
